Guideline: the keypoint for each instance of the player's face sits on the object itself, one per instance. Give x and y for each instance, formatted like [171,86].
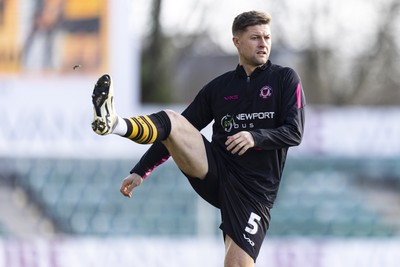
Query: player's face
[254,45]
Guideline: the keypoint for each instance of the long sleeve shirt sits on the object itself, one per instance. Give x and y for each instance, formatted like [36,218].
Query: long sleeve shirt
[269,104]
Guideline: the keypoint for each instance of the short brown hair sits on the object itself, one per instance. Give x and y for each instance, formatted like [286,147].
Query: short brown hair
[250,18]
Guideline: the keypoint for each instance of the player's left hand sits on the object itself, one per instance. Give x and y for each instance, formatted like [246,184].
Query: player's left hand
[129,183]
[239,143]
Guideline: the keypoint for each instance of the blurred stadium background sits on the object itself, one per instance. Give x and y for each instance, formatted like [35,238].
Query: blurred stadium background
[339,201]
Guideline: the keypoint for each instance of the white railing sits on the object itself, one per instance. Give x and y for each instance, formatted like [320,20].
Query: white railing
[156,252]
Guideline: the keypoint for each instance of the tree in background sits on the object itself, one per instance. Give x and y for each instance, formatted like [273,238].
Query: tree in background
[155,63]
[162,54]
[341,64]
[347,52]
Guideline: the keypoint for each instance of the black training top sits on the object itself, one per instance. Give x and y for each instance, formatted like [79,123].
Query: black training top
[269,104]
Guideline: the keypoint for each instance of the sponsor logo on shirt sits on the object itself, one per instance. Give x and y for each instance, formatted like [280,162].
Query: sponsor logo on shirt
[228,123]
[242,120]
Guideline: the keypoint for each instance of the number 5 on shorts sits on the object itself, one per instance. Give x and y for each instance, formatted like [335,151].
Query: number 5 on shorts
[254,218]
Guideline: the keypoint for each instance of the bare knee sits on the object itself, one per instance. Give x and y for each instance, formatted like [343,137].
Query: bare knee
[185,145]
[173,115]
[180,126]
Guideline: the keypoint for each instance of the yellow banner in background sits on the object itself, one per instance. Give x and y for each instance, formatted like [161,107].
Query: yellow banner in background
[53,36]
[9,52]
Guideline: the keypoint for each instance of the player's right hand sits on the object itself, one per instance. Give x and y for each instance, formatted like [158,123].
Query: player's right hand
[129,183]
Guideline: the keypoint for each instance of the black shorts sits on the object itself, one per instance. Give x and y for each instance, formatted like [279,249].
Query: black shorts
[244,219]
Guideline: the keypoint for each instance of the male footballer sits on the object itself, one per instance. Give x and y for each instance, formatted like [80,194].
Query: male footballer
[257,111]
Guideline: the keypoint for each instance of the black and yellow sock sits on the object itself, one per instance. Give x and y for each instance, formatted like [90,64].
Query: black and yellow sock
[148,129]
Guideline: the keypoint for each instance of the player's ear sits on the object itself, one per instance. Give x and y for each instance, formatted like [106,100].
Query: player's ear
[235,41]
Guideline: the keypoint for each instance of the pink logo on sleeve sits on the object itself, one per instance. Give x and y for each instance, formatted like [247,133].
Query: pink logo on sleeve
[298,95]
